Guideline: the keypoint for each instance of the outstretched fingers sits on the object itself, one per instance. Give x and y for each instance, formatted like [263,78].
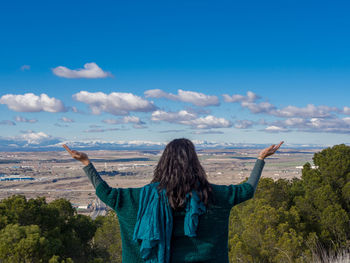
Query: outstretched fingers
[270,149]
[279,145]
[73,153]
[67,148]
[276,147]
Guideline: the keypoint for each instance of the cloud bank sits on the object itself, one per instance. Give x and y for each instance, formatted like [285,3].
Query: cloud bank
[310,118]
[332,125]
[249,101]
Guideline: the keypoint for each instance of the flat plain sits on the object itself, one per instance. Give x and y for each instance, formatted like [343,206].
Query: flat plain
[56,175]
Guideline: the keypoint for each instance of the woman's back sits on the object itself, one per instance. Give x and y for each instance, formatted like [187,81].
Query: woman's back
[210,244]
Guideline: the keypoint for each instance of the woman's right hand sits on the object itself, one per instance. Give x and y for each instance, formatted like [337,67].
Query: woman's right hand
[80,156]
[269,151]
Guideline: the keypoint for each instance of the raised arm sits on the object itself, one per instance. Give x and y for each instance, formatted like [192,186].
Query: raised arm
[89,169]
[107,194]
[242,192]
[254,177]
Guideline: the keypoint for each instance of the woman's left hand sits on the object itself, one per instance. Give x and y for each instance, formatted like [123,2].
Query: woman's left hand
[269,151]
[80,156]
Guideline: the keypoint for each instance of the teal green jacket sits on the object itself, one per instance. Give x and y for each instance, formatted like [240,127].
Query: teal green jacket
[211,242]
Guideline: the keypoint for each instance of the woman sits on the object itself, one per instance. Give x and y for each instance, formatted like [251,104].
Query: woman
[180,216]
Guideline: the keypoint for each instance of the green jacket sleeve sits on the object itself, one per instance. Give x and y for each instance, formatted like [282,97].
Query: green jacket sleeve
[93,175]
[108,195]
[254,177]
[245,191]
[230,195]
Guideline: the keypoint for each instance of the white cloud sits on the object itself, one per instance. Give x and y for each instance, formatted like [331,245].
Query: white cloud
[97,130]
[34,138]
[116,103]
[346,110]
[243,124]
[126,119]
[199,111]
[191,119]
[7,122]
[158,93]
[132,119]
[137,123]
[30,102]
[262,107]
[22,119]
[249,101]
[196,98]
[250,97]
[65,119]
[294,122]
[25,67]
[275,129]
[90,71]
[175,117]
[139,126]
[208,122]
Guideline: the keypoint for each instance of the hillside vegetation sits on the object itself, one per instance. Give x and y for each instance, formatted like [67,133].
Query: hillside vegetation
[299,220]
[303,220]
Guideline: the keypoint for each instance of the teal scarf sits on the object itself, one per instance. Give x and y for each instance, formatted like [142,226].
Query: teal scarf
[154,223]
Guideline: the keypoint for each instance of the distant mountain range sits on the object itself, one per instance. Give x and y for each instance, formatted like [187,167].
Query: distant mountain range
[56,144]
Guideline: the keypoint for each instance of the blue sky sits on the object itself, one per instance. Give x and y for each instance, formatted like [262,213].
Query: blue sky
[223,71]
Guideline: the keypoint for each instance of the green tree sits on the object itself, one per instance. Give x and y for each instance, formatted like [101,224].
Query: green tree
[262,233]
[107,239]
[289,221]
[67,235]
[23,244]
[324,205]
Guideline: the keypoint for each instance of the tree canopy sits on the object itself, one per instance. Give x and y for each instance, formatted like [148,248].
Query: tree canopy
[35,231]
[296,220]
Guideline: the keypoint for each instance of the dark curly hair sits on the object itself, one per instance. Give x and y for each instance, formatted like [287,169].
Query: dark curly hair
[179,172]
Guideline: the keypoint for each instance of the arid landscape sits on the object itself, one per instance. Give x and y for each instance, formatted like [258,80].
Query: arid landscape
[56,175]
